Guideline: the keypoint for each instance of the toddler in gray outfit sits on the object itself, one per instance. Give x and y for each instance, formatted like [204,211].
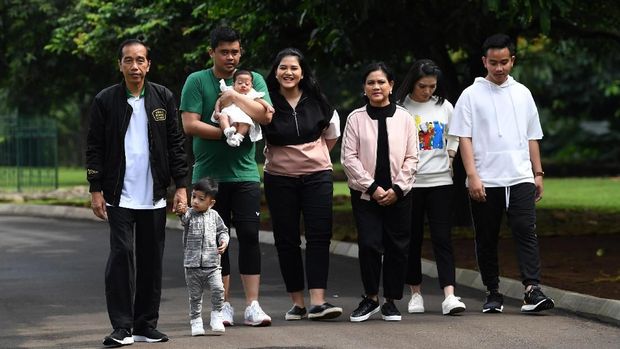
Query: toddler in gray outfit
[205,238]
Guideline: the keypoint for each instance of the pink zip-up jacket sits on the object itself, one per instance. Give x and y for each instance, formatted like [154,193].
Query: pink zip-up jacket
[359,150]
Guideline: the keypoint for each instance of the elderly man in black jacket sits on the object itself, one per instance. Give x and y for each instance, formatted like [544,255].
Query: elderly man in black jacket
[135,147]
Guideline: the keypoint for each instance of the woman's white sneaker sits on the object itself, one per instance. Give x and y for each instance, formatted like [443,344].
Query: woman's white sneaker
[227,314]
[255,316]
[416,304]
[452,305]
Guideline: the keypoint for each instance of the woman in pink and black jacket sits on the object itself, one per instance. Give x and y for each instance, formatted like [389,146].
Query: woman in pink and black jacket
[379,156]
[299,182]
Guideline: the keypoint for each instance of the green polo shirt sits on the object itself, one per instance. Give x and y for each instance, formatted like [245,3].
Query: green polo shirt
[215,158]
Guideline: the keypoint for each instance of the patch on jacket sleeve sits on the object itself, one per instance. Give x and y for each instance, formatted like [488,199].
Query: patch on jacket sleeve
[159,114]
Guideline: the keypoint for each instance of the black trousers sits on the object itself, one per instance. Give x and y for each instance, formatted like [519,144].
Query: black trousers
[382,233]
[436,204]
[289,198]
[521,213]
[133,289]
[239,203]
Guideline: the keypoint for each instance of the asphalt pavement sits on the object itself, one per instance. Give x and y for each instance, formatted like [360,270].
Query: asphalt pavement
[52,296]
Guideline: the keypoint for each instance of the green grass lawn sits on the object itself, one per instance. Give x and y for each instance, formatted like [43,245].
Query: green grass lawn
[71,176]
[599,194]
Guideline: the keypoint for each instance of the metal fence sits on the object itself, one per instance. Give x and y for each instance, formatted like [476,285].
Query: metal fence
[28,155]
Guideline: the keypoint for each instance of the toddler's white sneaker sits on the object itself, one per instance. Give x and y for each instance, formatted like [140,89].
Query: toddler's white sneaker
[197,328]
[217,322]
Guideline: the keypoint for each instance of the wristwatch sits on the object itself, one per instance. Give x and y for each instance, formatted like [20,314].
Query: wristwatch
[539,174]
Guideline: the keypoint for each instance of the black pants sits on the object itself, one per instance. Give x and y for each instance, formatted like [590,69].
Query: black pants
[521,213]
[289,198]
[133,290]
[239,203]
[436,204]
[382,232]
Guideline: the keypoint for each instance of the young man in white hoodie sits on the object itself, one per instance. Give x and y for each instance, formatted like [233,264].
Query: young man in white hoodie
[497,122]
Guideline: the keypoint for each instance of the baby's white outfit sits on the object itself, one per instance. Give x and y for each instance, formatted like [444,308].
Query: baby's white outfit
[236,114]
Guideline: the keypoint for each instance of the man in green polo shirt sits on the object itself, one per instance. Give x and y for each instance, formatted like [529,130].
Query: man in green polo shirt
[238,198]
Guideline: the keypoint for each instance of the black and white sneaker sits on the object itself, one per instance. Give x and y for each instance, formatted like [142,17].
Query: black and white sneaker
[494,303]
[149,335]
[535,301]
[324,311]
[389,312]
[117,338]
[365,310]
[295,313]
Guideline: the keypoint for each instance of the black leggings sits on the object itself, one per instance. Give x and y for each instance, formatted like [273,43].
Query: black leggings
[239,203]
[436,204]
[288,199]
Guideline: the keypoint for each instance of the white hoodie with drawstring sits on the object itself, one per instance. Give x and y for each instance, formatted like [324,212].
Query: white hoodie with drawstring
[500,120]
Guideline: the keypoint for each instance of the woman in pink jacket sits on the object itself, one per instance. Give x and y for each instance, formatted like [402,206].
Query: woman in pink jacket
[379,156]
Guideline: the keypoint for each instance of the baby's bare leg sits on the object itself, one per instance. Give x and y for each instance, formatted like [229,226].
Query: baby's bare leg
[242,128]
[224,121]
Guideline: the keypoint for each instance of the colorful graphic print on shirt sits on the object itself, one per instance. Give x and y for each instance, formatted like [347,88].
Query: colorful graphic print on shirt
[430,133]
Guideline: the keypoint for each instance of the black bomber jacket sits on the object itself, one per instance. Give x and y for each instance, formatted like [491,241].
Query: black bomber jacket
[303,124]
[105,152]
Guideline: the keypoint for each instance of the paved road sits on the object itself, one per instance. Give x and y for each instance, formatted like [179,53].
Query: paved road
[51,296]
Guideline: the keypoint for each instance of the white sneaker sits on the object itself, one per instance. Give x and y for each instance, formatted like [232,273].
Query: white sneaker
[255,316]
[229,131]
[452,305]
[217,323]
[227,314]
[416,304]
[197,329]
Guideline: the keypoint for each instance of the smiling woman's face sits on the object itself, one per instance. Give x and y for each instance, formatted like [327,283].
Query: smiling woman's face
[289,73]
[378,88]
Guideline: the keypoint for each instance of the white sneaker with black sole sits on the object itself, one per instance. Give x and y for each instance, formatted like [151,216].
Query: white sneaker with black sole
[452,305]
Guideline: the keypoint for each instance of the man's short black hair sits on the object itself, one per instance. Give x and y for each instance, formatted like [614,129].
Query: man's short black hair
[206,185]
[498,41]
[225,34]
[129,42]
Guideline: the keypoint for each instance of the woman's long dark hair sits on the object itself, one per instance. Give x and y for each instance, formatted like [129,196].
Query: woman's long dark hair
[308,84]
[420,69]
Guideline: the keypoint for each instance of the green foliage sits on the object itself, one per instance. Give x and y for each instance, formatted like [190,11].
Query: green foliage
[54,56]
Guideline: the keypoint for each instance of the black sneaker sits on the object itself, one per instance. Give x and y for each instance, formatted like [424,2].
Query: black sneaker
[324,311]
[494,303]
[535,300]
[149,335]
[389,312]
[295,313]
[117,338]
[366,308]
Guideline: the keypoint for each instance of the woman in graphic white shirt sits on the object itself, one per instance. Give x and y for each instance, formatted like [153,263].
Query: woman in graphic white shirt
[432,190]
